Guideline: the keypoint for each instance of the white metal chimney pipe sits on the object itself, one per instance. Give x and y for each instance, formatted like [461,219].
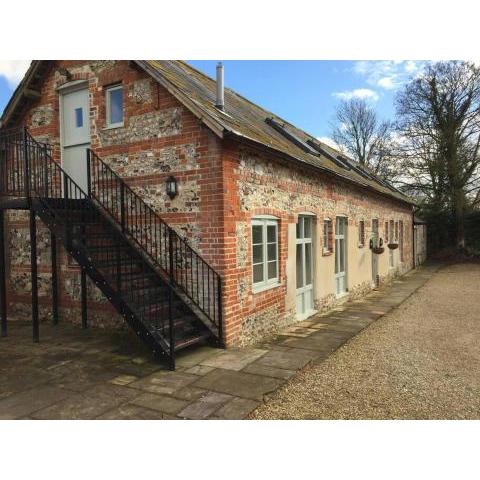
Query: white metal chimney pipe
[220,103]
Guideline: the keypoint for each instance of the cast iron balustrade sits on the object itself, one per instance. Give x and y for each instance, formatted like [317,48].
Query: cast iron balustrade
[164,289]
[170,252]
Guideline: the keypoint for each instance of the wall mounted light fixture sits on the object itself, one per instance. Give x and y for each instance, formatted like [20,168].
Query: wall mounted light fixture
[172,187]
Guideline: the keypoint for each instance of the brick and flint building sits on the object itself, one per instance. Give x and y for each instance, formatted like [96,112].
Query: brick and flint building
[291,226]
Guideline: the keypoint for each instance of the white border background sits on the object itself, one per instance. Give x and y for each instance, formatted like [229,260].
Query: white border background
[369,29]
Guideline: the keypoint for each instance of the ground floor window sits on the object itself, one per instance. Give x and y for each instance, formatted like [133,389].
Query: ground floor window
[264,252]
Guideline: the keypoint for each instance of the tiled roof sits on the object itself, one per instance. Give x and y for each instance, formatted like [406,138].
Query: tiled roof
[247,120]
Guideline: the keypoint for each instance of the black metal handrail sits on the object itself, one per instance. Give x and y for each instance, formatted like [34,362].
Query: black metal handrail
[60,195]
[28,170]
[164,246]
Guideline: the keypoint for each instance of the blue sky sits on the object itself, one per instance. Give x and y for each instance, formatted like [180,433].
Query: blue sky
[303,92]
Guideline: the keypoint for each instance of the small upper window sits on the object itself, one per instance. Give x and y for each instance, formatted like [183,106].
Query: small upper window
[114,106]
[79,117]
[361,233]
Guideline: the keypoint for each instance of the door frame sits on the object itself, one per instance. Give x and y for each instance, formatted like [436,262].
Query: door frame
[375,244]
[345,254]
[65,89]
[312,242]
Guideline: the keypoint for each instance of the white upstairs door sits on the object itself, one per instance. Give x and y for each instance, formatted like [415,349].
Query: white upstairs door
[341,255]
[304,264]
[374,240]
[75,135]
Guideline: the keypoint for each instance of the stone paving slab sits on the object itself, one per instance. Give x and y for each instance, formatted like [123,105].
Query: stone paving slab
[322,344]
[199,370]
[80,376]
[86,374]
[130,411]
[162,403]
[236,409]
[164,382]
[22,377]
[87,405]
[188,359]
[205,406]
[288,359]
[234,359]
[259,369]
[29,401]
[239,384]
[189,393]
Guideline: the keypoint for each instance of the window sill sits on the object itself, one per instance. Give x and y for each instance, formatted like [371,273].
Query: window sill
[264,288]
[112,127]
[327,253]
[361,245]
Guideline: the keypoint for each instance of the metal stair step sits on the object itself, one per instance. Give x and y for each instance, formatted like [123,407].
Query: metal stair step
[162,303]
[100,248]
[133,276]
[113,263]
[146,288]
[191,340]
[178,323]
[145,301]
[96,234]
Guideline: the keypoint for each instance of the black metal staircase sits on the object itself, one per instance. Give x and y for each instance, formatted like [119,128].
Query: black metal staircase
[164,289]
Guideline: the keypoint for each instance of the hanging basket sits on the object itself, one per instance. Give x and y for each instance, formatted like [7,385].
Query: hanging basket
[378,250]
[393,246]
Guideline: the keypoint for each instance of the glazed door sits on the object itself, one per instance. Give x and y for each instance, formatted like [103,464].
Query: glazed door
[304,264]
[341,255]
[374,255]
[76,135]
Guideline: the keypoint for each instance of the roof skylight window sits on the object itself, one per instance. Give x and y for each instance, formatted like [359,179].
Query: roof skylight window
[291,136]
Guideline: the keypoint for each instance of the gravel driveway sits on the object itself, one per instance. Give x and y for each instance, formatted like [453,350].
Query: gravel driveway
[421,361]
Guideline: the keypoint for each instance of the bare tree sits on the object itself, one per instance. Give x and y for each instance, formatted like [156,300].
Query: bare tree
[439,122]
[358,131]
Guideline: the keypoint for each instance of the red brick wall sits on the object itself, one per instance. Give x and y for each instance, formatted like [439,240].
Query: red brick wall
[185,149]
[257,183]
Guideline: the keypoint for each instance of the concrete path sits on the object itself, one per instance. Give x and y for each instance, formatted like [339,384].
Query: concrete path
[94,374]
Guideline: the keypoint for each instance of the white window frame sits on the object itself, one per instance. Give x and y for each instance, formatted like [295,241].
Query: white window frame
[341,237]
[401,253]
[327,222]
[108,122]
[361,238]
[390,239]
[266,283]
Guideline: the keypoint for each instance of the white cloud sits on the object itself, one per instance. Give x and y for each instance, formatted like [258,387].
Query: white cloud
[364,93]
[329,141]
[387,74]
[387,83]
[410,66]
[13,70]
